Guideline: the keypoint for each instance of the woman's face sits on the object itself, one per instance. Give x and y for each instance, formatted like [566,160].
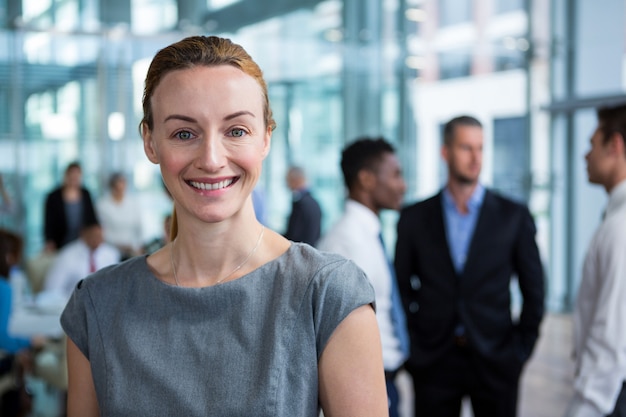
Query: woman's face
[209,138]
[73,177]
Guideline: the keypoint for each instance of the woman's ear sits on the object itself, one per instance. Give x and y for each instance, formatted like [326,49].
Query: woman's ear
[148,144]
[267,142]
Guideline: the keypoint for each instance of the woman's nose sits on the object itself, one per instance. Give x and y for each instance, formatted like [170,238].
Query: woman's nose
[211,153]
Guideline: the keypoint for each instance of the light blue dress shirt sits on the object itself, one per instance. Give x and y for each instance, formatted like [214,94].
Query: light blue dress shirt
[460,226]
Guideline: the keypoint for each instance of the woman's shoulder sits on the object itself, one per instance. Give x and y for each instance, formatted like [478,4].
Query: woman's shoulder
[302,255]
[116,276]
[321,268]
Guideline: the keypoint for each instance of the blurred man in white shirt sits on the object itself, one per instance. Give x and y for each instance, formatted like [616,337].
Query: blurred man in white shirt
[600,313]
[78,259]
[374,180]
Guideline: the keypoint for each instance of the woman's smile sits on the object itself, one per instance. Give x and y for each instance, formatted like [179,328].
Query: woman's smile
[213,185]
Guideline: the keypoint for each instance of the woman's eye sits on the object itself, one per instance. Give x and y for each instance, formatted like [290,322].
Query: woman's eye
[237,132]
[184,135]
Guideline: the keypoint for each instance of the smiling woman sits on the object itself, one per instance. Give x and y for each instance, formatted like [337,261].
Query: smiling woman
[229,318]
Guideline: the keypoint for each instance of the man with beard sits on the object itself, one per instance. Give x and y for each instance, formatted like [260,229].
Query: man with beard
[456,255]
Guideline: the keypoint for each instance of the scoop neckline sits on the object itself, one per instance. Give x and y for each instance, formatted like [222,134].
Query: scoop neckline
[248,275]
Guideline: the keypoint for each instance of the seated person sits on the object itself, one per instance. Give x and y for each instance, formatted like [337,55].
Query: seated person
[78,259]
[11,246]
[16,353]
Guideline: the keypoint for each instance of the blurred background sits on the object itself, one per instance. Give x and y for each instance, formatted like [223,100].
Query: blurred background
[72,71]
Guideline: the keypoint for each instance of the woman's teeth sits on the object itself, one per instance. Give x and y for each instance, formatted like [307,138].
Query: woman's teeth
[214,186]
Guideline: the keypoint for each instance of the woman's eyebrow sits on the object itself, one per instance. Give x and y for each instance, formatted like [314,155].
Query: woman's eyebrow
[192,120]
[239,113]
[180,117]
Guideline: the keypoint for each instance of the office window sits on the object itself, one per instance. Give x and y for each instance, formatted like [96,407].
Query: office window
[220,4]
[511,157]
[153,16]
[504,6]
[7,72]
[454,64]
[37,11]
[66,15]
[508,55]
[442,171]
[452,12]
[509,62]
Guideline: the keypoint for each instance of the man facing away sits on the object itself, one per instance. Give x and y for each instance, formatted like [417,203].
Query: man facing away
[600,312]
[305,219]
[456,254]
[374,180]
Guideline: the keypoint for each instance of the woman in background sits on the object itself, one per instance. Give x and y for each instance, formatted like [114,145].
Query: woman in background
[120,216]
[67,208]
[230,318]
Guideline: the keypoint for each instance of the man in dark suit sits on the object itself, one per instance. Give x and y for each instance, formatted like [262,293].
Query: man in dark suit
[456,254]
[305,220]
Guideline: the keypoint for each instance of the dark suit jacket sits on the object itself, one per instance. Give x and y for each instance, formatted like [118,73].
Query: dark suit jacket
[55,221]
[305,220]
[437,299]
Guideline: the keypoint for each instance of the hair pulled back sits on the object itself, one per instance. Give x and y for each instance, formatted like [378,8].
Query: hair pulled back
[196,51]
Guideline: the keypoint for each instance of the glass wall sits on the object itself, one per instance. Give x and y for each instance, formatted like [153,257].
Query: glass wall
[74,94]
[71,75]
[588,68]
[73,97]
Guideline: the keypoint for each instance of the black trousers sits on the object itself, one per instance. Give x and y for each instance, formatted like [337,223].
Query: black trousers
[441,387]
[620,404]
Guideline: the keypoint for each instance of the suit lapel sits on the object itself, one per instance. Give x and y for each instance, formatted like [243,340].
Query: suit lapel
[439,236]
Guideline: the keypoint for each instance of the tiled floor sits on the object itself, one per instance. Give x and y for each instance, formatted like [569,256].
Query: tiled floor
[546,383]
[547,380]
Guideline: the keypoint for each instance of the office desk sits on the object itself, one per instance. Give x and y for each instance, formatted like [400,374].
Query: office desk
[30,320]
[50,363]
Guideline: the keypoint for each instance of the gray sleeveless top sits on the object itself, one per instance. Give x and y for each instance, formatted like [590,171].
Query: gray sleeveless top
[247,347]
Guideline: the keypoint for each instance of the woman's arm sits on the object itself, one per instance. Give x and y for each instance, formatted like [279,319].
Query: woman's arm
[351,372]
[81,393]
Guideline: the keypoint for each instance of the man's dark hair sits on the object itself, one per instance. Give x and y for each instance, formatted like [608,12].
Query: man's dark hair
[88,224]
[612,120]
[448,130]
[362,153]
